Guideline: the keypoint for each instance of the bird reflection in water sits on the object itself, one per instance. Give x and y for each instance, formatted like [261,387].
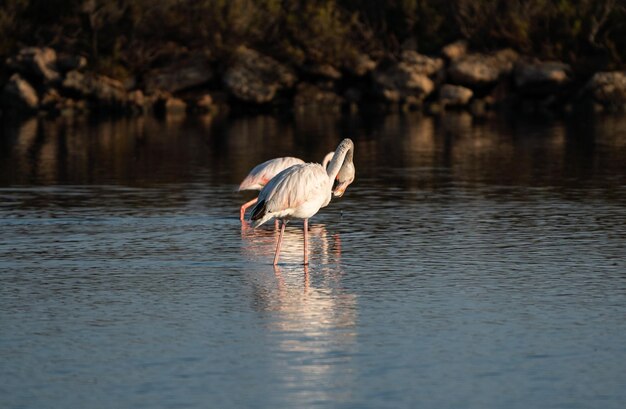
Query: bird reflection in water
[311,324]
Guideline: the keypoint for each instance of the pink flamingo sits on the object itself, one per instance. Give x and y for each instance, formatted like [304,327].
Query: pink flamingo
[300,191]
[264,172]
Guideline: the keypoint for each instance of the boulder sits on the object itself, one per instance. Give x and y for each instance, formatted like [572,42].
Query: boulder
[455,95]
[479,70]
[401,81]
[420,63]
[36,62]
[180,75]
[541,76]
[102,90]
[253,77]
[608,89]
[19,94]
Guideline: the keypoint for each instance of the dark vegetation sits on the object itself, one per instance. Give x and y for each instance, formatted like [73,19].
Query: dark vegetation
[124,38]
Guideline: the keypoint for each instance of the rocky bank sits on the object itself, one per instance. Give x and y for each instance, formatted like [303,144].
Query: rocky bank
[39,81]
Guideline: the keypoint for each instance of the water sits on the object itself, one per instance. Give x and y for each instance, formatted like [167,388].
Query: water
[473,264]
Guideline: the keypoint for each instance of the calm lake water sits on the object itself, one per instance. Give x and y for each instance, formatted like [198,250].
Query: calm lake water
[472,264]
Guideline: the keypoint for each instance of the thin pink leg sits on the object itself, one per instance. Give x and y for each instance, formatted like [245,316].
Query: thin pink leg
[275,224]
[306,241]
[280,242]
[242,212]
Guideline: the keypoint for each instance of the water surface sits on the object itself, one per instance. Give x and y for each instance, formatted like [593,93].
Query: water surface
[473,264]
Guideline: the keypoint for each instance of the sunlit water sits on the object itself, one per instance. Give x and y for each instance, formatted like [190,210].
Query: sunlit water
[470,265]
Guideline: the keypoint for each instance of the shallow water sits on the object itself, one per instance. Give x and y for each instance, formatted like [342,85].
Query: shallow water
[473,264]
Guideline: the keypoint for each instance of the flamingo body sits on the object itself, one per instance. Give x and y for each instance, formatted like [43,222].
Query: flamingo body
[297,192]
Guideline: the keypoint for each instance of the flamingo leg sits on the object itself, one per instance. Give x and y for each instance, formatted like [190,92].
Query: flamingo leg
[275,224]
[242,211]
[306,241]
[280,242]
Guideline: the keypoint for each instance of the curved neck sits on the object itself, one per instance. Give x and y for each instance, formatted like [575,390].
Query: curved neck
[343,154]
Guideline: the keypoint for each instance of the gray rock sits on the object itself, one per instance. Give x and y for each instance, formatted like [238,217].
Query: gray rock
[421,64]
[19,94]
[402,81]
[478,70]
[455,95]
[36,62]
[608,89]
[546,75]
[253,77]
[99,88]
[181,75]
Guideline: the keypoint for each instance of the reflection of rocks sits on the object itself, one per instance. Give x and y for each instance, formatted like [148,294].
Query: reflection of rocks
[253,77]
[19,94]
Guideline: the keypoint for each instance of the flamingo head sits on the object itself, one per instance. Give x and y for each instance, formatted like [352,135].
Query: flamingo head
[344,178]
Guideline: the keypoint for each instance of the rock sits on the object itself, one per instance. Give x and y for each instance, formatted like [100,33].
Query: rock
[67,63]
[455,50]
[311,95]
[454,95]
[402,80]
[36,62]
[181,75]
[19,94]
[541,77]
[322,70]
[103,90]
[478,70]
[360,65]
[137,101]
[421,64]
[256,78]
[167,105]
[608,89]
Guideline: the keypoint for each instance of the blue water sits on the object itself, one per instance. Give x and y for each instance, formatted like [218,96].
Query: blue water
[470,265]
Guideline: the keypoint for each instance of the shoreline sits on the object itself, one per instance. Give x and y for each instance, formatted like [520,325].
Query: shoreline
[41,81]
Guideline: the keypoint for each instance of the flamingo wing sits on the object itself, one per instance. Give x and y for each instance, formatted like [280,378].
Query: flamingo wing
[264,172]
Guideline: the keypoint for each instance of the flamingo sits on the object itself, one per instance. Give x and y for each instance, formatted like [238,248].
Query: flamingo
[264,172]
[300,191]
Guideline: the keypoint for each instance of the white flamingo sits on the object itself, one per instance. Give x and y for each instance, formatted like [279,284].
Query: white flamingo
[264,172]
[300,191]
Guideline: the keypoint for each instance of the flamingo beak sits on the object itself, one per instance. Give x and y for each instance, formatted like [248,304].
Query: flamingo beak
[340,189]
